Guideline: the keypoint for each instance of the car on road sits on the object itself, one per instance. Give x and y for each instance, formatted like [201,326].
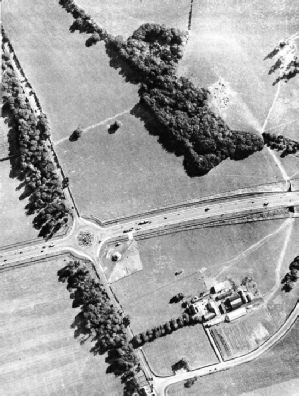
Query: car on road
[144,222]
[129,230]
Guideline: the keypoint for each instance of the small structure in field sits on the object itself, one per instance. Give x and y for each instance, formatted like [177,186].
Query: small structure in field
[116,256]
[114,127]
[76,134]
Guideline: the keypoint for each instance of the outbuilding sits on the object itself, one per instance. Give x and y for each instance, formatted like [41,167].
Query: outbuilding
[235,314]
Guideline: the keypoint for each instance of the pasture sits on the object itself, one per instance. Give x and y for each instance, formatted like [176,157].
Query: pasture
[277,366]
[122,17]
[110,175]
[234,251]
[38,352]
[244,334]
[215,251]
[190,342]
[229,40]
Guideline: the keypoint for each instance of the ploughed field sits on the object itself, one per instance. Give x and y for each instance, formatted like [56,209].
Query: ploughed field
[125,173]
[277,366]
[16,226]
[38,352]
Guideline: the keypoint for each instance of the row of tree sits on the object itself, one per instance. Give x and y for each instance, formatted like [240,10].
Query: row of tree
[102,321]
[280,143]
[187,126]
[162,330]
[35,157]
[291,277]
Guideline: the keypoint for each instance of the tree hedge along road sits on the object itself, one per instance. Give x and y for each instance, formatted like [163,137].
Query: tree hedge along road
[34,156]
[102,321]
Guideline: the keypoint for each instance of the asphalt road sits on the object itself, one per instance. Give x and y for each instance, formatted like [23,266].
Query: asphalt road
[191,215]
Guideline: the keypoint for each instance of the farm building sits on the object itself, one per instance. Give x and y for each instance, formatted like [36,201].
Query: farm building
[236,303]
[243,296]
[209,316]
[220,286]
[213,307]
[223,294]
[216,320]
[235,314]
[222,308]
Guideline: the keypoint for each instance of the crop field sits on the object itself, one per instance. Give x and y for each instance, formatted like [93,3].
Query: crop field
[38,352]
[190,342]
[122,17]
[277,366]
[16,226]
[244,334]
[125,173]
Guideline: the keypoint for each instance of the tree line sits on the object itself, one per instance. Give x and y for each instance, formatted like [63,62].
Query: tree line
[103,322]
[163,330]
[34,162]
[281,143]
[291,277]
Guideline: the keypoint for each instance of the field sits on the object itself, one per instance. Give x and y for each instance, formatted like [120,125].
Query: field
[190,342]
[16,226]
[243,335]
[229,40]
[124,16]
[38,352]
[223,252]
[125,173]
[258,377]
[208,250]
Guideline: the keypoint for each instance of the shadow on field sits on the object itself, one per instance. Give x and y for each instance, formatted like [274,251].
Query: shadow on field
[154,128]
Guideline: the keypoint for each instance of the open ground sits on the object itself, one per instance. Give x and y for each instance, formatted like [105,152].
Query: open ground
[38,352]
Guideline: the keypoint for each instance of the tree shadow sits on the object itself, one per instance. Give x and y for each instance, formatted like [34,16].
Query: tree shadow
[272,53]
[274,67]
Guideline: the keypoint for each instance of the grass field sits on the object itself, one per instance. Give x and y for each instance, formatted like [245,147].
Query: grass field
[229,251]
[229,40]
[278,365]
[125,173]
[124,16]
[209,250]
[244,334]
[284,120]
[190,342]
[38,352]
